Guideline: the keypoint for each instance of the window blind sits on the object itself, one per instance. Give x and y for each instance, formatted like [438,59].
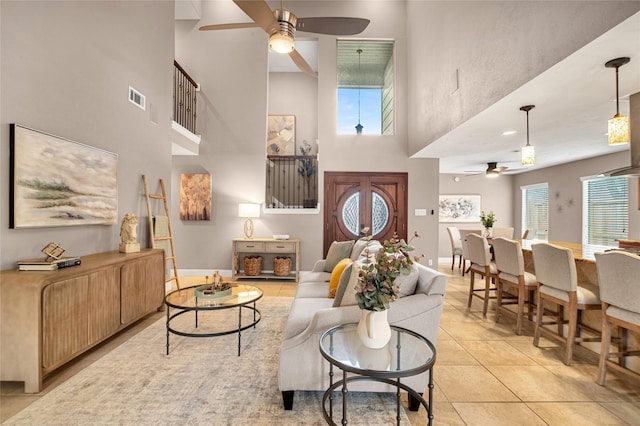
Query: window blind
[535,210]
[606,210]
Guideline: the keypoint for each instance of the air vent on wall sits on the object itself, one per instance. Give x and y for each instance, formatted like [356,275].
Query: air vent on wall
[136,98]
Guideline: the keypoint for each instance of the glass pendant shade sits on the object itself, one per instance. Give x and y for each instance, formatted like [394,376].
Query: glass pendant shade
[528,155]
[281,43]
[619,129]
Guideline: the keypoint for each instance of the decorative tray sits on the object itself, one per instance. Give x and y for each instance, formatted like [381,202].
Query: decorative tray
[204,291]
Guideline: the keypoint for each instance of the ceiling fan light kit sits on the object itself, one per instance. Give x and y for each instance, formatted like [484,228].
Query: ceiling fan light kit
[282,39]
[619,124]
[528,151]
[281,25]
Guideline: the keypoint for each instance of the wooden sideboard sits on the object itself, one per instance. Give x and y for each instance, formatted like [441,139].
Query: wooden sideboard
[268,249]
[48,318]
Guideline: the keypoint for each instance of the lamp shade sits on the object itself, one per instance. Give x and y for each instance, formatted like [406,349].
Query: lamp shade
[248,210]
[281,43]
[528,155]
[619,129]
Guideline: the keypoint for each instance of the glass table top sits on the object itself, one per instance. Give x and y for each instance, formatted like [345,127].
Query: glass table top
[185,298]
[407,353]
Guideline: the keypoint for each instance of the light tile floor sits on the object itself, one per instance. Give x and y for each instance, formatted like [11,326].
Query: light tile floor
[484,373]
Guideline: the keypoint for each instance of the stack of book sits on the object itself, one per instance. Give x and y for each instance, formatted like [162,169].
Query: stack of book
[47,265]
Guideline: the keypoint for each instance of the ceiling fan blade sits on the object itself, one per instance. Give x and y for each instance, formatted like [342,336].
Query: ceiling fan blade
[332,26]
[260,12]
[228,26]
[301,63]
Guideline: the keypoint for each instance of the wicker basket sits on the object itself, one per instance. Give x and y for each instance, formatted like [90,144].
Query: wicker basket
[252,265]
[281,266]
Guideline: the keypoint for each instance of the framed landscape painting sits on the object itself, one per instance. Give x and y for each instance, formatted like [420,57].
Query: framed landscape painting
[281,135]
[459,208]
[59,182]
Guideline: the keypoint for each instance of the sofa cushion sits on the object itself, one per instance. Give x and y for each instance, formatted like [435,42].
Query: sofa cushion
[358,247]
[313,290]
[313,277]
[409,282]
[337,251]
[336,274]
[346,293]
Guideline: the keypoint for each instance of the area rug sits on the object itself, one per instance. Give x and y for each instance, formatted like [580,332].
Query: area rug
[201,382]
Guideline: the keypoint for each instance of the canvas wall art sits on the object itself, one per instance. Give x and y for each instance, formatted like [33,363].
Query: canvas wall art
[281,135]
[195,196]
[59,182]
[459,208]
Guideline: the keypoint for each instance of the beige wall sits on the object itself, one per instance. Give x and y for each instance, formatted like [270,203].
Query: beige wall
[496,46]
[65,70]
[497,196]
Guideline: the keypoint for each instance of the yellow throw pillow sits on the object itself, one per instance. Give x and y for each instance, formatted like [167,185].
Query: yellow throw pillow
[335,275]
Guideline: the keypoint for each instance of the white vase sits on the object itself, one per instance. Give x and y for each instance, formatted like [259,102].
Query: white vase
[488,232]
[373,329]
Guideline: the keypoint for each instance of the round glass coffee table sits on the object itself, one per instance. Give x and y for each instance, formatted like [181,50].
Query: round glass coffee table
[406,354]
[184,301]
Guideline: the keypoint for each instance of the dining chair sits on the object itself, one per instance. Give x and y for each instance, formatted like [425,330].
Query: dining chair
[504,232]
[511,275]
[465,247]
[618,274]
[456,245]
[558,283]
[482,265]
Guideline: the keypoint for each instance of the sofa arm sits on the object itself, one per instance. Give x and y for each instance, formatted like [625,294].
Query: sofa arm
[319,266]
[430,281]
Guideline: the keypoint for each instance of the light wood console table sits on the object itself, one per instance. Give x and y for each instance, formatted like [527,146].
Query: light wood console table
[48,318]
[269,249]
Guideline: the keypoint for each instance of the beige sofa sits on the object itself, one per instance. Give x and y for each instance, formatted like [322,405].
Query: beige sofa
[302,367]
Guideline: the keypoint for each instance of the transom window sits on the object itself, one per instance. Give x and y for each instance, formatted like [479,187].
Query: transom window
[365,87]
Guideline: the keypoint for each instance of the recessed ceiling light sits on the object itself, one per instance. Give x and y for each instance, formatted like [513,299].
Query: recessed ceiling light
[509,132]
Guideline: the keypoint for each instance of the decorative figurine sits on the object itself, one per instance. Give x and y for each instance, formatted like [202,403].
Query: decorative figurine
[128,234]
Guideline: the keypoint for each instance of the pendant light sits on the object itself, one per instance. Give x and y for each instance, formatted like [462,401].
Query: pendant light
[528,151]
[619,124]
[359,127]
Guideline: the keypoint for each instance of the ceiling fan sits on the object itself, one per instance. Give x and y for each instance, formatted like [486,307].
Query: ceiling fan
[492,170]
[281,25]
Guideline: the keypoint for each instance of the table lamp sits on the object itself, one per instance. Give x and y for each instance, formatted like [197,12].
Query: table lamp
[248,210]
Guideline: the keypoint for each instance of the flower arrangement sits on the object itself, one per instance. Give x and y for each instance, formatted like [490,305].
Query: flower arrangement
[376,287]
[487,219]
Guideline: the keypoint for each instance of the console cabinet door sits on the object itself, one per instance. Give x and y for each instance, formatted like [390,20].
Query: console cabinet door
[64,320]
[142,287]
[155,282]
[104,303]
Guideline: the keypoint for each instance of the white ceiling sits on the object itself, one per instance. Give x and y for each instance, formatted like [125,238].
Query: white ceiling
[283,63]
[573,99]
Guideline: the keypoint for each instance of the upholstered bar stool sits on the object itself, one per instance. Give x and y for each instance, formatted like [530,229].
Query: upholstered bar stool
[511,274]
[558,283]
[456,245]
[482,265]
[618,274]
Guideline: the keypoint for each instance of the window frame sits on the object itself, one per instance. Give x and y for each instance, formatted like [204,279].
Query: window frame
[588,211]
[525,211]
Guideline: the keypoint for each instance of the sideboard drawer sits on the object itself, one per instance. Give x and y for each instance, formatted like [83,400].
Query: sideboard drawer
[281,247]
[250,246]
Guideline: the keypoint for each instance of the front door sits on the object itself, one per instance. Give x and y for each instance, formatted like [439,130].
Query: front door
[361,204]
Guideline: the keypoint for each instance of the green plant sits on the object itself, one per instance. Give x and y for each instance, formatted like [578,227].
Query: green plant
[487,219]
[376,287]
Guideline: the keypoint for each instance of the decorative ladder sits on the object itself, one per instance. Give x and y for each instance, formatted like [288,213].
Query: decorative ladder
[154,239]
